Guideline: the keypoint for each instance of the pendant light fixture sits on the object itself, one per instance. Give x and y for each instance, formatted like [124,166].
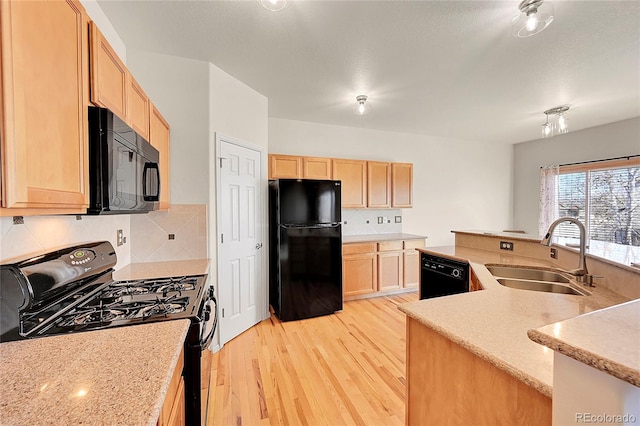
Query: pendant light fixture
[559,123]
[274,5]
[534,16]
[362,107]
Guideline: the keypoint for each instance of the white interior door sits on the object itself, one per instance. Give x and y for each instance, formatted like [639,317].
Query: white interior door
[241,283]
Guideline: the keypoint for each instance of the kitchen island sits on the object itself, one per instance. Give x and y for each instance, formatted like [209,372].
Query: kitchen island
[113,376]
[474,349]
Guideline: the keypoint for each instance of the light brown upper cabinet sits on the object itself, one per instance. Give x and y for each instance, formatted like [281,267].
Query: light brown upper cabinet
[108,75]
[285,166]
[159,137]
[353,174]
[316,168]
[115,88]
[401,184]
[138,107]
[43,116]
[378,184]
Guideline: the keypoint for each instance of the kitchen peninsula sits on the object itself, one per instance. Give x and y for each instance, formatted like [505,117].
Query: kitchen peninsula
[475,344]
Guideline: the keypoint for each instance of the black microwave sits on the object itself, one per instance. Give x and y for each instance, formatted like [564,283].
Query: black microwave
[123,167]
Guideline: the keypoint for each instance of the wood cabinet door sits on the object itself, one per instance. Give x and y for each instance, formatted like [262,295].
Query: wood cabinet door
[378,184]
[359,274]
[177,416]
[316,168]
[43,115]
[138,107]
[411,268]
[174,394]
[285,166]
[389,270]
[108,76]
[401,184]
[353,174]
[159,137]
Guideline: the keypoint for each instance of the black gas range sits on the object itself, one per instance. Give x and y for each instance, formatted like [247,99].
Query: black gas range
[71,290]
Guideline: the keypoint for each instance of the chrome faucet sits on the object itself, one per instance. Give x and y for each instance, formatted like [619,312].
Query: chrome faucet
[581,274]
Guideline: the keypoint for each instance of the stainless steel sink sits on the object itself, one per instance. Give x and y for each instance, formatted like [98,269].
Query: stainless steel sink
[526,274]
[549,287]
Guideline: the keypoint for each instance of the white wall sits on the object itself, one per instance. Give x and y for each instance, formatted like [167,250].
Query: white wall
[179,88]
[596,143]
[106,28]
[239,112]
[458,184]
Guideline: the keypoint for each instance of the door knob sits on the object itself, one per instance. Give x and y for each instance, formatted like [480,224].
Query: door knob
[258,246]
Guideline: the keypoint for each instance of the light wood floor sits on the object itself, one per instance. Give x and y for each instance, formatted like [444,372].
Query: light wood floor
[341,369]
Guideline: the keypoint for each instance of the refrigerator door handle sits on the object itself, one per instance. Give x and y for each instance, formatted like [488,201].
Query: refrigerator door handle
[316,226]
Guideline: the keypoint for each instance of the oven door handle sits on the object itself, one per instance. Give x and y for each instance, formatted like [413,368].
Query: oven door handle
[205,341]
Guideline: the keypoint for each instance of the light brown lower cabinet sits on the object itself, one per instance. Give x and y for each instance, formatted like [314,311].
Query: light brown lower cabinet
[173,409]
[448,384]
[359,269]
[383,266]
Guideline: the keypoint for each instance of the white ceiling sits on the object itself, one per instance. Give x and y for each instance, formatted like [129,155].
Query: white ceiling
[443,68]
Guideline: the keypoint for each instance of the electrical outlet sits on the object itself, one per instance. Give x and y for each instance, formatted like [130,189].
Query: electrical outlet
[398,219]
[119,237]
[553,253]
[505,245]
[380,219]
[172,236]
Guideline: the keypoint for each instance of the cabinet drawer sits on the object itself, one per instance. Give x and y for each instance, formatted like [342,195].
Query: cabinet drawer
[412,244]
[390,245]
[358,248]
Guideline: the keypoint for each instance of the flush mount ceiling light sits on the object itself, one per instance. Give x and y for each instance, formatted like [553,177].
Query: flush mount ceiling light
[558,124]
[534,16]
[274,5]
[362,107]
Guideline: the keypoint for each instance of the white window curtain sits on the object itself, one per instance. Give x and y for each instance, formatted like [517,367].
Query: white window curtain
[548,197]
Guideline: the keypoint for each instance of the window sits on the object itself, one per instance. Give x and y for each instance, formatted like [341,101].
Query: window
[605,196]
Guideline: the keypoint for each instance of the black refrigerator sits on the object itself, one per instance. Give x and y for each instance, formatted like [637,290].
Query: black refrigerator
[305,253]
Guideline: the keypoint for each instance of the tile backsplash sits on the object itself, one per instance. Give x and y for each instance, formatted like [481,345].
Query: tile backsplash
[179,234]
[39,234]
[365,221]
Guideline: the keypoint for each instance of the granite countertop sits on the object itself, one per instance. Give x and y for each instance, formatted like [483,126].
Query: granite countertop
[590,340]
[112,376]
[493,323]
[174,268]
[371,238]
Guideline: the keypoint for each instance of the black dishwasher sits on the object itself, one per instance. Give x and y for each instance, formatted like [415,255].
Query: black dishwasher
[442,277]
